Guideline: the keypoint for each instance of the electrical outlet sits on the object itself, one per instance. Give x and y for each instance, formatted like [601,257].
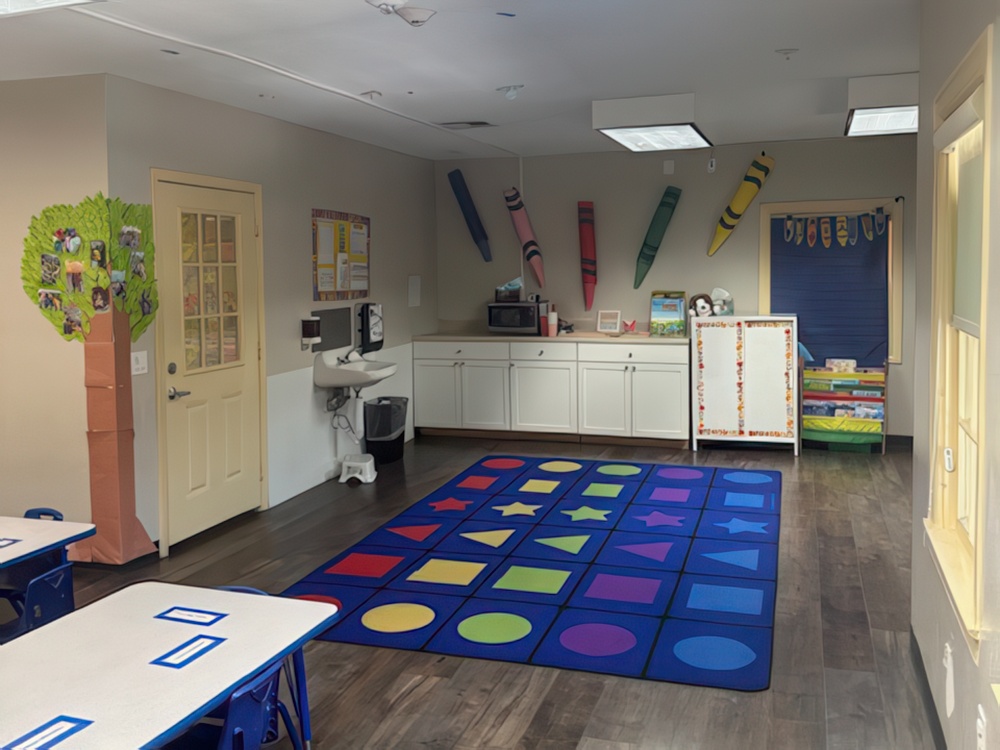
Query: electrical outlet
[139,363]
[981,729]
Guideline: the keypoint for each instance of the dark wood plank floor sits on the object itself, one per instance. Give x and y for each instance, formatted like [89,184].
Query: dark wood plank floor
[843,673]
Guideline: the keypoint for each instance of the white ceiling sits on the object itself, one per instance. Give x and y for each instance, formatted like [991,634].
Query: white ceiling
[309,62]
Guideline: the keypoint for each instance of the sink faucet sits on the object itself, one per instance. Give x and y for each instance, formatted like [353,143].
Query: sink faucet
[345,360]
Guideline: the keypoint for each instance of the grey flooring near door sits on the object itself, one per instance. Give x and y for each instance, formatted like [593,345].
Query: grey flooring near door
[843,675]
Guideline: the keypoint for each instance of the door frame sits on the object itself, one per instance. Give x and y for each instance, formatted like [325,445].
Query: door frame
[211,183]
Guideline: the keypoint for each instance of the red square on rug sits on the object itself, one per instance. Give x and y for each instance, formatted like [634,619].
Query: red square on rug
[365,565]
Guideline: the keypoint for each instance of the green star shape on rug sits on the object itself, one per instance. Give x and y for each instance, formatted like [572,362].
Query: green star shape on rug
[586,513]
[517,509]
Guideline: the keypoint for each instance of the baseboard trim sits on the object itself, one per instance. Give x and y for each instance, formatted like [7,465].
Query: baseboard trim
[937,732]
[553,437]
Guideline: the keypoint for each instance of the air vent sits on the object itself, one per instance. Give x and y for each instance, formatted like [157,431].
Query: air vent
[466,125]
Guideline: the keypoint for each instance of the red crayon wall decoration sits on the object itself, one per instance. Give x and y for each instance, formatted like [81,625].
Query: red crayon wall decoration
[525,234]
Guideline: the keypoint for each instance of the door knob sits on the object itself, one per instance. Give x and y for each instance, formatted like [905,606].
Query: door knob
[173,394]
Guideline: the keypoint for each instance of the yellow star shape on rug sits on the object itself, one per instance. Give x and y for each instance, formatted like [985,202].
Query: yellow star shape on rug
[517,509]
[586,513]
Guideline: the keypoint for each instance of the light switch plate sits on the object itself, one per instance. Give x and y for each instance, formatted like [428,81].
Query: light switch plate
[139,364]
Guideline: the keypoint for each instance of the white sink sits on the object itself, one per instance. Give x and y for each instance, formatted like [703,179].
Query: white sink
[329,373]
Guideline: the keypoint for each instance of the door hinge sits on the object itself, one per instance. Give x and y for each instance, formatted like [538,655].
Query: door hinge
[949,460]
[256,230]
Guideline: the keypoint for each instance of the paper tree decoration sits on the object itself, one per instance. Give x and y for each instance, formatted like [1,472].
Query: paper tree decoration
[89,270]
[469,213]
[654,235]
[588,251]
[753,181]
[79,260]
[525,234]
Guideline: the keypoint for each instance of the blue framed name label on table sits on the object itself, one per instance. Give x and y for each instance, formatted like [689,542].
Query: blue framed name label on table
[191,616]
[49,734]
[187,652]
[7,542]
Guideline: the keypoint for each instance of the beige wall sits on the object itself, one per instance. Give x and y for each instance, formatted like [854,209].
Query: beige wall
[949,28]
[54,150]
[626,189]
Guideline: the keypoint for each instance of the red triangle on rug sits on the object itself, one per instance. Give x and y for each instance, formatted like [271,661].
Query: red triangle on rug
[416,533]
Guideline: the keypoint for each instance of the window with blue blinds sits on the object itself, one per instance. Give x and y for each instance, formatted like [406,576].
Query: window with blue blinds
[840,291]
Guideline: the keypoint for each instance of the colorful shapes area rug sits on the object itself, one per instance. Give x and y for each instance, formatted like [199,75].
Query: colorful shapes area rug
[651,571]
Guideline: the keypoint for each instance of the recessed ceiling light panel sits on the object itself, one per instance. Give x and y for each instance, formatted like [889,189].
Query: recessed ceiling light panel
[658,137]
[15,7]
[882,120]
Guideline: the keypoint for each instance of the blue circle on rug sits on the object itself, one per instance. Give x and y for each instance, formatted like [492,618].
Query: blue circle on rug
[747,477]
[714,652]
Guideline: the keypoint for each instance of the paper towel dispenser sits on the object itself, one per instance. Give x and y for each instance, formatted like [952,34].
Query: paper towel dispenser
[370,326]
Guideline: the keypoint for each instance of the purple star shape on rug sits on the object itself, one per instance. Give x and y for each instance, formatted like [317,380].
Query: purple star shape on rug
[656,518]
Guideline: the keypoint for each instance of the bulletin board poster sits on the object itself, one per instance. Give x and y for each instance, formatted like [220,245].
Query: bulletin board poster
[341,250]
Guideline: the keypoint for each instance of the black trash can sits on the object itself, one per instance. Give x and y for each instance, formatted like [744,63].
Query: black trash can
[385,428]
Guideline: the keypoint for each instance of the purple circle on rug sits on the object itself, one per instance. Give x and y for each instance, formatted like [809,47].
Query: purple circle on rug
[597,639]
[678,473]
[747,477]
[714,653]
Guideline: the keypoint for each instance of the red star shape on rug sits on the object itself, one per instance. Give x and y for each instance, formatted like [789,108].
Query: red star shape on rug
[452,503]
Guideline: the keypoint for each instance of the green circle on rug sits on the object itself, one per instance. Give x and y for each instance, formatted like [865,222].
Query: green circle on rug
[397,618]
[560,467]
[494,628]
[619,470]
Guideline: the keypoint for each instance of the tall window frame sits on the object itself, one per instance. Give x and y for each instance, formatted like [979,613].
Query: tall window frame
[955,520]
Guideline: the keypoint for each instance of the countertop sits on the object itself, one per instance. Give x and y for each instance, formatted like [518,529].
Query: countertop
[589,337]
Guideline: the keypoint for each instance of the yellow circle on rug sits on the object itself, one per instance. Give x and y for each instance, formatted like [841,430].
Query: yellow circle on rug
[494,628]
[398,618]
[560,467]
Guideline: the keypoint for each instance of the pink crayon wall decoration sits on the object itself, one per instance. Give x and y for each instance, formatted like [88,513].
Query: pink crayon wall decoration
[588,251]
[525,234]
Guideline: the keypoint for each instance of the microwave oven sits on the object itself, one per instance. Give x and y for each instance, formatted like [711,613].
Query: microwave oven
[513,318]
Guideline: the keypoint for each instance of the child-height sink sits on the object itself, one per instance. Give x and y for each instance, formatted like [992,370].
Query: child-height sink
[329,372]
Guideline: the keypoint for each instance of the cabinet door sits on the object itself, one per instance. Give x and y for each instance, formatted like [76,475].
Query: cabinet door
[437,393]
[543,396]
[660,403]
[485,395]
[605,397]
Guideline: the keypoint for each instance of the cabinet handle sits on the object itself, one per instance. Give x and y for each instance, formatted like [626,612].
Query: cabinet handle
[511,365]
[454,364]
[630,355]
[626,368]
[633,368]
[541,352]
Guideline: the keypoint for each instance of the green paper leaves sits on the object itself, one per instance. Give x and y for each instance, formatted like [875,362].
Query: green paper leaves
[78,260]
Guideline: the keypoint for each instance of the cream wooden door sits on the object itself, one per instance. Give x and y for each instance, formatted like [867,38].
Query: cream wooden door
[209,375]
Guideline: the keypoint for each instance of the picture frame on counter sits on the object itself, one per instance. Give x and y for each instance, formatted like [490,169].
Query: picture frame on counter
[668,314]
[609,321]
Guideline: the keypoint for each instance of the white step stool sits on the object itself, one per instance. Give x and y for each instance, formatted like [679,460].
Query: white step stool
[359,465]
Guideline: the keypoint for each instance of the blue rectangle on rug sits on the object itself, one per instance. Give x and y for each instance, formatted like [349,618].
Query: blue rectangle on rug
[652,571]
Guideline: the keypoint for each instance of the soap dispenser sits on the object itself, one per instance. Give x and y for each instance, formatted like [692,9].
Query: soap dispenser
[370,326]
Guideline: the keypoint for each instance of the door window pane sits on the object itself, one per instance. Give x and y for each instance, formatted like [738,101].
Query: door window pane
[192,344]
[213,349]
[211,290]
[189,238]
[230,339]
[192,291]
[227,238]
[230,290]
[210,239]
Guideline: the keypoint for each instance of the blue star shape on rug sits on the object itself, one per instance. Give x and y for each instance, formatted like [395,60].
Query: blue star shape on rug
[738,525]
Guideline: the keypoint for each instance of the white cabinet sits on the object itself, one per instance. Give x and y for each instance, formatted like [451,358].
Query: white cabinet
[745,384]
[543,386]
[462,385]
[634,390]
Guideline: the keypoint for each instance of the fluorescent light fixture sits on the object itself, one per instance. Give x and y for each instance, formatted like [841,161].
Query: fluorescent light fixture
[15,7]
[658,137]
[882,120]
[882,105]
[650,123]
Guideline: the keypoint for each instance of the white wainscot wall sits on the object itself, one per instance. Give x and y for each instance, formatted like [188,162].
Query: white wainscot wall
[303,450]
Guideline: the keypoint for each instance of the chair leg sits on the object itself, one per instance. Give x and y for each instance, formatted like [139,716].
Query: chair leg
[301,697]
[293,733]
